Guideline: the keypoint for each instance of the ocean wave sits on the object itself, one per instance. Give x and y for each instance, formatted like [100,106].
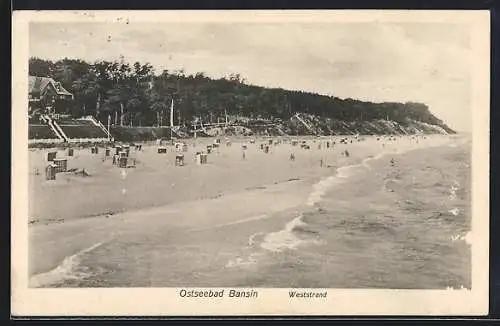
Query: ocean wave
[250,219]
[457,288]
[453,190]
[467,237]
[320,188]
[342,173]
[66,270]
[253,239]
[284,239]
[242,262]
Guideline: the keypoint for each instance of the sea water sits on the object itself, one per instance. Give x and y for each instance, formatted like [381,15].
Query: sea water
[379,224]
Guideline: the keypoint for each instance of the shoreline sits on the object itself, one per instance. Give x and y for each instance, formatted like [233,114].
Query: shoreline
[65,145]
[274,205]
[111,214]
[110,190]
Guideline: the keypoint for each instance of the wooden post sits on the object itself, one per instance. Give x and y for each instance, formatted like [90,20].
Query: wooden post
[109,123]
[98,104]
[121,114]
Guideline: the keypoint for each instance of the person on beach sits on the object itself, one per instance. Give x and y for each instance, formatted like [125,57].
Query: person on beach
[292,157]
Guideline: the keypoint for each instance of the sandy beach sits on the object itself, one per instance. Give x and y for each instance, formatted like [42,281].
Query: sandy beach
[135,223]
[155,181]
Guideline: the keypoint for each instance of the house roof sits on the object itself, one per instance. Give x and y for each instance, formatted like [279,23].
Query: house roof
[38,84]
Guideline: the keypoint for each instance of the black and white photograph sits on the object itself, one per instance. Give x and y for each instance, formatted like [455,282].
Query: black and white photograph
[223,156]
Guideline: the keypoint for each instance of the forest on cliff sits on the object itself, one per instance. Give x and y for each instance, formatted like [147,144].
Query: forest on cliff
[136,95]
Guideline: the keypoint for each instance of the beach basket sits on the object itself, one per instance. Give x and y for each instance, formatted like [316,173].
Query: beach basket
[179,160]
[122,162]
[201,158]
[51,156]
[61,165]
[70,151]
[50,172]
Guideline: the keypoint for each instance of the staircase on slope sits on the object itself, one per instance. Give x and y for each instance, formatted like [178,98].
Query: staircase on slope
[55,127]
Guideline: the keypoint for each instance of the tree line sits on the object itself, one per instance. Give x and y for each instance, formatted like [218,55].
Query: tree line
[134,94]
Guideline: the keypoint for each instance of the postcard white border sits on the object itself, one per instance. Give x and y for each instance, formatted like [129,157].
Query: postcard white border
[166,301]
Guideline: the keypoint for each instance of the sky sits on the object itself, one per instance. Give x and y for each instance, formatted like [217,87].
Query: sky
[398,62]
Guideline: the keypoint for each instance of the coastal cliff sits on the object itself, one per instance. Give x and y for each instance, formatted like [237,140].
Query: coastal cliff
[140,104]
